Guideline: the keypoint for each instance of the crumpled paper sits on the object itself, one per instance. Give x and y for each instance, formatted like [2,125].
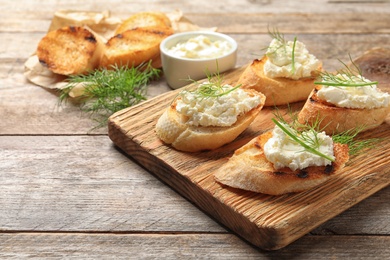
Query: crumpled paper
[103,25]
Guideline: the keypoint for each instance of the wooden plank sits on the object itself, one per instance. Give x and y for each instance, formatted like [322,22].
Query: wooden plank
[368,217]
[250,23]
[83,183]
[184,246]
[29,8]
[269,222]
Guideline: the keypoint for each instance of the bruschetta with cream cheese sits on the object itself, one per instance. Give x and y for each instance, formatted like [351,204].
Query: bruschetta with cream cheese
[285,74]
[345,100]
[275,163]
[208,117]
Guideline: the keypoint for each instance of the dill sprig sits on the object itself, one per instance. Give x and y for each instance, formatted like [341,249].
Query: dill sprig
[355,146]
[306,135]
[275,34]
[303,134]
[348,76]
[107,91]
[212,88]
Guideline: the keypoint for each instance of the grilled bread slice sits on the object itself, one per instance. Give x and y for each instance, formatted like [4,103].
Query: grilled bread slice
[249,169]
[333,119]
[133,47]
[278,91]
[172,129]
[144,20]
[70,50]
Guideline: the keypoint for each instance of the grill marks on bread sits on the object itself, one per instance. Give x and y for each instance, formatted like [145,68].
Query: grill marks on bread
[75,50]
[70,50]
[135,46]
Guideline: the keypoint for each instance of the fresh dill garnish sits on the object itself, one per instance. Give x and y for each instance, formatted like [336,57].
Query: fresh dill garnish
[212,88]
[355,146]
[107,91]
[303,134]
[348,76]
[306,135]
[275,34]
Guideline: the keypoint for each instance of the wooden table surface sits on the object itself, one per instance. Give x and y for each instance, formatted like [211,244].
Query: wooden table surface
[67,191]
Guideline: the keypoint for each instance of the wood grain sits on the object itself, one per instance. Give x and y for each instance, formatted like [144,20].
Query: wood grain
[83,183]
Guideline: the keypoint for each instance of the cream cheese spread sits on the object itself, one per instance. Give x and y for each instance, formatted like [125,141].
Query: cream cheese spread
[362,97]
[279,62]
[216,111]
[201,47]
[283,151]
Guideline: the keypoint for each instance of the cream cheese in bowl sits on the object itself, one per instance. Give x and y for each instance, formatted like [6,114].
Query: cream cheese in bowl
[200,47]
[194,55]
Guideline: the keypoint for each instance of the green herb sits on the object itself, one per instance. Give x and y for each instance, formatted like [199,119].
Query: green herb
[293,56]
[299,132]
[349,76]
[275,34]
[303,138]
[107,91]
[212,88]
[355,146]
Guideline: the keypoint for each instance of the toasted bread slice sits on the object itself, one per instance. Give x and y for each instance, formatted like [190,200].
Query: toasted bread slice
[279,91]
[333,119]
[144,20]
[70,50]
[133,47]
[172,129]
[249,169]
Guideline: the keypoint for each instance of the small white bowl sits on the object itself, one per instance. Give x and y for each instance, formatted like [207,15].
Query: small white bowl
[179,70]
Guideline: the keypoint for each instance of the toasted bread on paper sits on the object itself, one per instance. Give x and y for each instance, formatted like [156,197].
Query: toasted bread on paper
[172,129]
[70,50]
[144,20]
[249,169]
[278,91]
[133,47]
[333,119]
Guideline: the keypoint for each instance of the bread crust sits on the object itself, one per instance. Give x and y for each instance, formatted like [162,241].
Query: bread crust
[278,91]
[172,129]
[70,50]
[133,47]
[144,20]
[249,169]
[335,119]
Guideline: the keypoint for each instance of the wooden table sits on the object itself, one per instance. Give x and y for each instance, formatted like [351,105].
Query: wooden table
[67,191]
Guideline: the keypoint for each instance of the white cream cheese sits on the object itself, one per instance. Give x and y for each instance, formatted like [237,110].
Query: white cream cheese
[364,97]
[200,47]
[283,151]
[216,111]
[279,62]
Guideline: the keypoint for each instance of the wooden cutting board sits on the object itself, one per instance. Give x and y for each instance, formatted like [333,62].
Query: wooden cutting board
[269,222]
